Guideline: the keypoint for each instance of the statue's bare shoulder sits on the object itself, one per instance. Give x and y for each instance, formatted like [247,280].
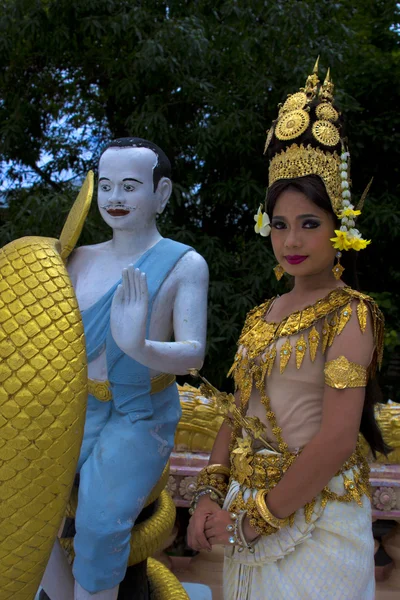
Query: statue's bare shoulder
[192,267]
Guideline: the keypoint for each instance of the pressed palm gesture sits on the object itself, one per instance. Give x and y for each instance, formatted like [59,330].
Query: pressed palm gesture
[129,311]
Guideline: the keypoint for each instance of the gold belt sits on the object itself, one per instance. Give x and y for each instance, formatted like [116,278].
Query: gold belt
[102,392]
[264,471]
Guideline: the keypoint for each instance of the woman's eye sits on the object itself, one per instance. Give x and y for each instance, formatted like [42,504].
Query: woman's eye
[128,187]
[105,187]
[310,224]
[278,225]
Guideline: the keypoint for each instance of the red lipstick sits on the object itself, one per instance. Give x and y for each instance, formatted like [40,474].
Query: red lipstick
[295,260]
[118,212]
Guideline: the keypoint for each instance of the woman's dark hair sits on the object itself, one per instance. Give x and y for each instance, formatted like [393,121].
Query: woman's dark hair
[313,187]
[163,166]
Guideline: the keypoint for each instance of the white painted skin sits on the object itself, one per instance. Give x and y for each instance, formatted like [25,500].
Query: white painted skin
[58,581]
[181,305]
[180,308]
[81,594]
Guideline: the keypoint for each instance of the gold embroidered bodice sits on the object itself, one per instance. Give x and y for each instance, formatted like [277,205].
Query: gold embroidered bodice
[280,371]
[282,364]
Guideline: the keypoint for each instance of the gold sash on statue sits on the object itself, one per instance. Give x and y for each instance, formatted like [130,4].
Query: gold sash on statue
[102,392]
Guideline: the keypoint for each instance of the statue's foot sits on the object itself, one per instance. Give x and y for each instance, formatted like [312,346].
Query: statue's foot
[81,594]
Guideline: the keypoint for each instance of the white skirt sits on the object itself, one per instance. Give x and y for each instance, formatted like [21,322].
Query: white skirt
[329,558]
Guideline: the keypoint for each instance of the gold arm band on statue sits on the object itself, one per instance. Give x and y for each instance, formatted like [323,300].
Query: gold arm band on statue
[265,513]
[340,374]
[101,390]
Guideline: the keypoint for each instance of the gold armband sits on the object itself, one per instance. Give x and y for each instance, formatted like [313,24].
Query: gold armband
[340,374]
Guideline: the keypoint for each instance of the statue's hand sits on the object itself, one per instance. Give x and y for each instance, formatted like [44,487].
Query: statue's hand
[129,311]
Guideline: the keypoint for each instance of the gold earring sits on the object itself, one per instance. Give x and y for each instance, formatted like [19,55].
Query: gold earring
[279,271]
[338,269]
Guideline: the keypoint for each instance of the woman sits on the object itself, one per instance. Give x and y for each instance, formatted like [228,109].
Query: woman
[296,516]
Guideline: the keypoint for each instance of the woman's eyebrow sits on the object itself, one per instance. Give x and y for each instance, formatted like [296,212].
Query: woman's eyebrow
[298,217]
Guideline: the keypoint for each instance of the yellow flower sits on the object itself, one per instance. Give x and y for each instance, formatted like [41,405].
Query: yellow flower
[359,244]
[341,241]
[350,213]
[262,225]
[345,241]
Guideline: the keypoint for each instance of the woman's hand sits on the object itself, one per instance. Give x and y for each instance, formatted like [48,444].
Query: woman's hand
[215,528]
[195,533]
[216,532]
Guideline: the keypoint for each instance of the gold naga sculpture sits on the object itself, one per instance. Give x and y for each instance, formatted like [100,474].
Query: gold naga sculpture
[43,392]
[388,418]
[200,422]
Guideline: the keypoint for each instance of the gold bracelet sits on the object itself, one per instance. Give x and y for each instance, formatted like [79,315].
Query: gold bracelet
[218,469]
[215,480]
[215,496]
[255,519]
[265,513]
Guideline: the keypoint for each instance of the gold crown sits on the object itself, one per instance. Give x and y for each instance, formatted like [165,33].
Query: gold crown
[299,161]
[309,117]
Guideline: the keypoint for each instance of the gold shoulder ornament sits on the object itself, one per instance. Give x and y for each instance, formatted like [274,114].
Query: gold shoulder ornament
[258,338]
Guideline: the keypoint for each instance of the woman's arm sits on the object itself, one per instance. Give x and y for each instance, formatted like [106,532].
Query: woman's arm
[205,506]
[323,456]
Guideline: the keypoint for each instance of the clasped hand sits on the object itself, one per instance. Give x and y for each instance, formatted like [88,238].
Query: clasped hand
[208,527]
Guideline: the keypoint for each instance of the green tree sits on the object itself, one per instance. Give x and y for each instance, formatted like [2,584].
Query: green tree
[201,79]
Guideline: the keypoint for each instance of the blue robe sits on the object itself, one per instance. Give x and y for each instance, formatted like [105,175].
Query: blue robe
[127,441]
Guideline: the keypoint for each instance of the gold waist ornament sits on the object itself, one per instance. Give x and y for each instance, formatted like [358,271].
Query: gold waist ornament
[101,390]
[263,471]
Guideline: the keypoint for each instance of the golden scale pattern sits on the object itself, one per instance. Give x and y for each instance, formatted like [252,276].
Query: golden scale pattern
[259,337]
[163,584]
[43,392]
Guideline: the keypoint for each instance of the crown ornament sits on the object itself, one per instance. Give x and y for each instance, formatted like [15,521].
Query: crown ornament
[306,139]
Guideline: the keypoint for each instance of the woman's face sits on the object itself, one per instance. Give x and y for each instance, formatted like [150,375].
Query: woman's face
[300,235]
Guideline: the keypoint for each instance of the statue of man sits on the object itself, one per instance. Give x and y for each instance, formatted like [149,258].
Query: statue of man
[135,292]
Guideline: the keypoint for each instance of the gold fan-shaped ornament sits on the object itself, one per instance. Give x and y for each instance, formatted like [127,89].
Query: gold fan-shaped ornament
[294,102]
[76,219]
[292,124]
[325,133]
[326,112]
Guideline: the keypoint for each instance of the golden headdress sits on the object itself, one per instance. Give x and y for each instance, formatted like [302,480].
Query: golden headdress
[306,139]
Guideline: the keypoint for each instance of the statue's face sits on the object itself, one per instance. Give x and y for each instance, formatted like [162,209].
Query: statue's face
[125,196]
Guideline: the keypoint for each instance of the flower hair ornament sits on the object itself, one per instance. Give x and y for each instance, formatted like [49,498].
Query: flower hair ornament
[262,226]
[306,139]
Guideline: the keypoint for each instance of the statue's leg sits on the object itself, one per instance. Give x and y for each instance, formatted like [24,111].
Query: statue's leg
[58,582]
[115,481]
[81,594]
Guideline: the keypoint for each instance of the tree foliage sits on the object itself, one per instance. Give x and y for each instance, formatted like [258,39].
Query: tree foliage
[202,80]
